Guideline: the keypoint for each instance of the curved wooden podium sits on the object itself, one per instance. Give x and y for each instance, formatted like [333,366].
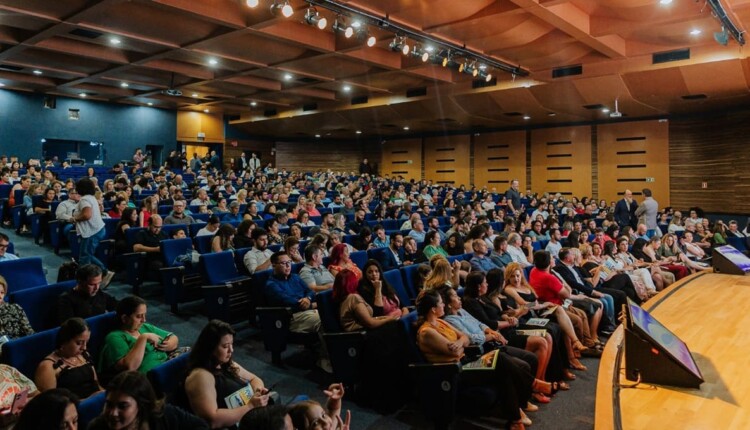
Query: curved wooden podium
[710,313]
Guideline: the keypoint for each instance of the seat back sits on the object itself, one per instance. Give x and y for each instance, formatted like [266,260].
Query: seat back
[90,408]
[39,303]
[167,378]
[409,339]
[329,312]
[23,273]
[173,248]
[203,243]
[239,260]
[393,277]
[99,326]
[25,353]
[169,229]
[130,236]
[217,268]
[359,258]
[410,280]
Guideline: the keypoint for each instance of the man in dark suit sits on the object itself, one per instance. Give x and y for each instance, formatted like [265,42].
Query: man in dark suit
[625,211]
[394,258]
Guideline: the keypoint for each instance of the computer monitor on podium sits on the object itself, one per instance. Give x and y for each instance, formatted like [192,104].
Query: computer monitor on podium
[656,355]
[730,261]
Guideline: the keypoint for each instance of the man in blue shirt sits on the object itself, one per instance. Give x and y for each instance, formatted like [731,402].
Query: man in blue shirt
[289,290]
[480,261]
[4,243]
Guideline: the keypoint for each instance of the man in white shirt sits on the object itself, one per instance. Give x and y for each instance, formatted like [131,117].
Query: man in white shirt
[259,257]
[4,255]
[515,251]
[554,245]
[65,210]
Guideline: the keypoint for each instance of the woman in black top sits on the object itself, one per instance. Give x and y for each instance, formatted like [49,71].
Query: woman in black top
[69,366]
[212,375]
[129,219]
[242,239]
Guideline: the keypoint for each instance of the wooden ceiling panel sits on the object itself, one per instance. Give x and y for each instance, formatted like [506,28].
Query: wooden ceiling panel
[656,87]
[45,8]
[718,79]
[55,61]
[601,90]
[427,14]
[254,48]
[23,22]
[332,67]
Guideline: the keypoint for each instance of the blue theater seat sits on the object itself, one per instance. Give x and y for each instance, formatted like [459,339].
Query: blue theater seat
[344,348]
[166,378]
[395,279]
[23,273]
[40,303]
[227,292]
[180,281]
[90,408]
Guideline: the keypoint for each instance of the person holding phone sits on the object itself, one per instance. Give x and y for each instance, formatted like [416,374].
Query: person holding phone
[212,376]
[136,345]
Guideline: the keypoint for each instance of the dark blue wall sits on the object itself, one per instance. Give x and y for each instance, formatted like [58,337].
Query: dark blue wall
[24,122]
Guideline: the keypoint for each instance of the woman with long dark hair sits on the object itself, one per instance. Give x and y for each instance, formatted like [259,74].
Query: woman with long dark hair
[212,375]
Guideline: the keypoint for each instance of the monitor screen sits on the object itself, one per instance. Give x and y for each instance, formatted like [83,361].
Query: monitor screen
[647,325]
[736,257]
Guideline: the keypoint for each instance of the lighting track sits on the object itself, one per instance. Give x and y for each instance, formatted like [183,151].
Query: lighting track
[726,22]
[385,23]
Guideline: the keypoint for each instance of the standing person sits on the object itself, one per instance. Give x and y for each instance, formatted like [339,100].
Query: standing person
[513,197]
[90,227]
[254,162]
[647,212]
[625,211]
[365,168]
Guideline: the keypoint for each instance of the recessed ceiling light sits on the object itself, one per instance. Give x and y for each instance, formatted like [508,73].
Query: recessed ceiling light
[359,131]
[206,110]
[114,41]
[406,127]
[288,77]
[213,61]
[37,72]
[526,117]
[287,10]
[551,114]
[252,3]
[195,94]
[695,31]
[356,24]
[253,103]
[2,84]
[347,88]
[429,48]
[82,95]
[124,84]
[605,110]
[150,104]
[665,2]
[371,41]
[317,136]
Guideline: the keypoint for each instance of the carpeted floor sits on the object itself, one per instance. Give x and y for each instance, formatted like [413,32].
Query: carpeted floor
[572,410]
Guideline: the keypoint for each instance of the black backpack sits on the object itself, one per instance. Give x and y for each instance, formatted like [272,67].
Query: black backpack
[67,271]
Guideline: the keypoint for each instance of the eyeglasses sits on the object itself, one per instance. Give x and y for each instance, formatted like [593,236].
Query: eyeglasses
[284,263]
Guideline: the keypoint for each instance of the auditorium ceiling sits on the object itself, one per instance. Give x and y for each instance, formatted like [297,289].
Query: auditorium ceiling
[280,77]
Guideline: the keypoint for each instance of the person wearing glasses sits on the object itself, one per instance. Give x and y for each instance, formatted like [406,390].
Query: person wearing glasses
[4,254]
[147,240]
[287,289]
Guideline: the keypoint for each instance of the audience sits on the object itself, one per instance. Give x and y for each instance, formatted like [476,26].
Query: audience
[53,409]
[13,320]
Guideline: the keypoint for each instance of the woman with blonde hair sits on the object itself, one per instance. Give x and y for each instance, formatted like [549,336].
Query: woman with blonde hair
[442,273]
[149,207]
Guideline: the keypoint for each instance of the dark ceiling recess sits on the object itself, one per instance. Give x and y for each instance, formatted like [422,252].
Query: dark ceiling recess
[270,112]
[482,83]
[359,100]
[309,107]
[695,97]
[416,92]
[666,57]
[594,107]
[306,80]
[562,72]
[89,34]
[513,114]
[10,68]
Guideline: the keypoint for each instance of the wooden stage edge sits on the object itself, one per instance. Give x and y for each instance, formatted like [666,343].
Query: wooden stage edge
[708,311]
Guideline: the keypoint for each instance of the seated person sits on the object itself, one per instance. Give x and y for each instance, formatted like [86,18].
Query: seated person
[223,240]
[269,418]
[132,404]
[441,343]
[147,240]
[135,344]
[287,289]
[259,257]
[309,414]
[378,293]
[69,366]
[53,409]
[4,254]
[64,211]
[212,375]
[432,239]
[211,227]
[13,320]
[234,213]
[178,215]
[86,299]
[313,273]
[481,260]
[340,260]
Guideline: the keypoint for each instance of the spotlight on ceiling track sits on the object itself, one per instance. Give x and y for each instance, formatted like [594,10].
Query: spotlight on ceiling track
[371,41]
[286,9]
[252,3]
[399,44]
[420,52]
[486,76]
[340,25]
[722,37]
[312,17]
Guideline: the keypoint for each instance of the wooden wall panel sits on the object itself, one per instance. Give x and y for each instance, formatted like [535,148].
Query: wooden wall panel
[711,149]
[631,153]
[402,157]
[313,156]
[189,124]
[447,159]
[561,160]
[500,158]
